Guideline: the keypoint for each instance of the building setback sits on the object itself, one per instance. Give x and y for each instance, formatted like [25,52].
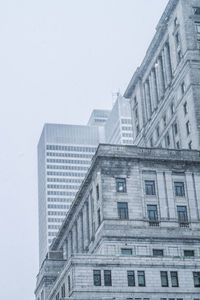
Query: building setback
[165,90]
[133,230]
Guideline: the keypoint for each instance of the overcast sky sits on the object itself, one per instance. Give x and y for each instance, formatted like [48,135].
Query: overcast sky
[58,61]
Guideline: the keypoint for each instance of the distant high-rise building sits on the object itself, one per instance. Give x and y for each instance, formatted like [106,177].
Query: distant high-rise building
[118,127]
[64,156]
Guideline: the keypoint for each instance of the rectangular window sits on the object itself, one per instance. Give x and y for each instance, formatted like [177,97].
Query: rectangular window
[150,187]
[69,283]
[196,10]
[97,277]
[178,145]
[141,278]
[182,214]
[164,121]
[131,278]
[185,108]
[57,296]
[183,88]
[152,212]
[179,56]
[177,38]
[179,189]
[167,140]
[158,252]
[122,210]
[121,185]
[99,216]
[126,251]
[196,276]
[190,145]
[164,279]
[107,278]
[97,191]
[158,131]
[197,26]
[188,253]
[63,291]
[188,127]
[175,128]
[174,279]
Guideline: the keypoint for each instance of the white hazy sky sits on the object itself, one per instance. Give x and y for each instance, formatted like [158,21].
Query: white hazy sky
[58,61]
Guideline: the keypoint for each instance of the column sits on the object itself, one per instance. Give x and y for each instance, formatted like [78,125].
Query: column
[196,183]
[161,77]
[65,250]
[80,233]
[85,226]
[154,89]
[163,197]
[191,196]
[148,99]
[74,238]
[170,195]
[168,63]
[69,243]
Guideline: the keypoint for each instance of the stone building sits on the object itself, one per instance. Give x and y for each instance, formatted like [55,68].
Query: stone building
[165,90]
[132,232]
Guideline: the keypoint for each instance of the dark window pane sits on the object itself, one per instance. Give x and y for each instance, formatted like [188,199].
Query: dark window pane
[131,278]
[188,253]
[121,185]
[196,10]
[150,187]
[122,210]
[157,252]
[182,214]
[196,276]
[97,191]
[141,278]
[125,251]
[174,279]
[107,278]
[152,212]
[97,277]
[179,189]
[99,217]
[164,279]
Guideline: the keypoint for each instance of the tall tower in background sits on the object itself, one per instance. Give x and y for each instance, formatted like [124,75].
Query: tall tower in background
[64,156]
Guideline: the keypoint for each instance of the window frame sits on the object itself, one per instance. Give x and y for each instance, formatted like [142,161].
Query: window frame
[150,185]
[179,189]
[180,214]
[155,213]
[122,211]
[164,279]
[120,182]
[159,254]
[107,277]
[174,275]
[196,275]
[126,250]
[97,278]
[131,278]
[141,275]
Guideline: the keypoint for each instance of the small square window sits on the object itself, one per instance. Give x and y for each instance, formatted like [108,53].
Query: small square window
[196,10]
[179,189]
[164,279]
[107,278]
[122,210]
[126,251]
[158,252]
[121,185]
[131,278]
[174,278]
[150,187]
[196,276]
[188,253]
[97,277]
[152,212]
[141,278]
